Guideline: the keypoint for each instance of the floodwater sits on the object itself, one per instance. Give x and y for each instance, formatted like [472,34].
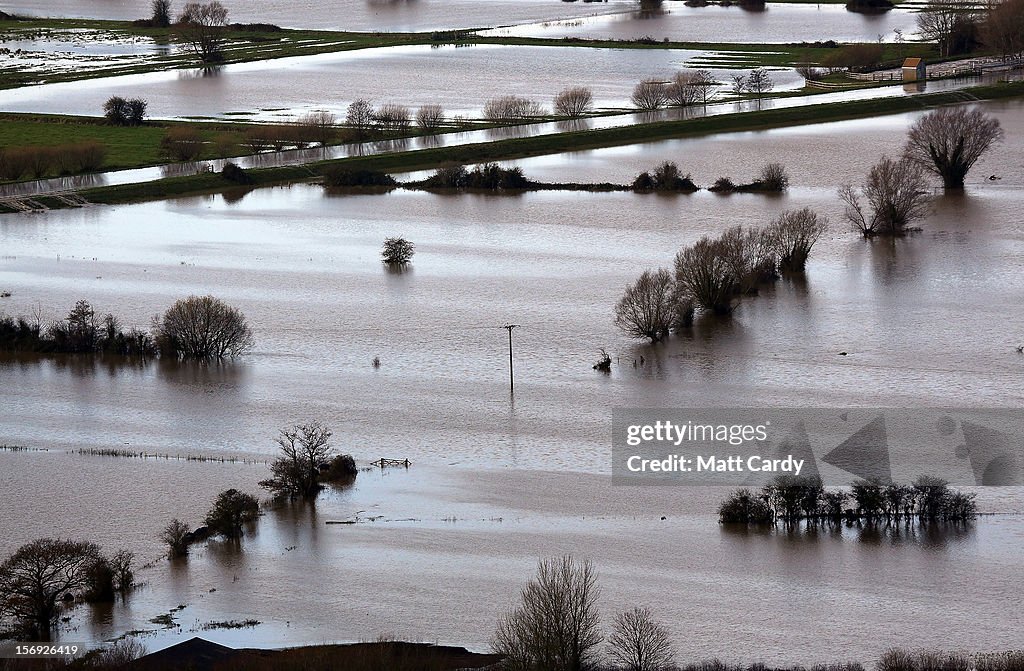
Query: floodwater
[499,480]
[356,15]
[778,23]
[461,79]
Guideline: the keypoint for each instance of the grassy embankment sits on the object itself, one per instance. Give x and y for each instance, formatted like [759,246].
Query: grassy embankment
[548,144]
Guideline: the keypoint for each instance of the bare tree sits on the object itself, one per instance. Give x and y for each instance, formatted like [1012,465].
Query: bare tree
[319,126]
[1003,27]
[161,16]
[705,82]
[360,116]
[203,327]
[948,141]
[181,143]
[739,84]
[574,102]
[392,117]
[704,276]
[511,108]
[305,448]
[38,575]
[645,309]
[759,82]
[794,234]
[555,627]
[950,23]
[176,536]
[650,94]
[430,117]
[683,89]
[896,194]
[202,27]
[638,643]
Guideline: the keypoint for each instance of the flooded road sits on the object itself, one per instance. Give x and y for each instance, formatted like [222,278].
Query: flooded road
[497,481]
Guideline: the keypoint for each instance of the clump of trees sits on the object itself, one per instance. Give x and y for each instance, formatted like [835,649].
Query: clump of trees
[119,111]
[791,499]
[81,332]
[397,251]
[234,173]
[1003,27]
[193,328]
[895,194]
[40,578]
[684,88]
[488,177]
[307,459]
[203,28]
[665,177]
[714,273]
[574,102]
[512,108]
[35,162]
[202,327]
[950,140]
[953,24]
[231,511]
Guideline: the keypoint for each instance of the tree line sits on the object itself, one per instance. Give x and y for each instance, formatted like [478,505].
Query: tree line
[197,327]
[791,499]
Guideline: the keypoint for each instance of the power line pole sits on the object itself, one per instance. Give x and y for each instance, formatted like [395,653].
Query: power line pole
[511,379]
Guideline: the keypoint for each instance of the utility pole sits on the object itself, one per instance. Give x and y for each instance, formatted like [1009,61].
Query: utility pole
[511,379]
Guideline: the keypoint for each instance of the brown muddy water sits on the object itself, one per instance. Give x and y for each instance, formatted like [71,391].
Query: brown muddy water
[498,481]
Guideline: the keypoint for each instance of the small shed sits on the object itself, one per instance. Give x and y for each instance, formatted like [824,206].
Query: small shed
[914,70]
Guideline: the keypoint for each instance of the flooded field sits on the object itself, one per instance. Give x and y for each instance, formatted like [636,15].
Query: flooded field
[462,79]
[359,15]
[778,23]
[440,550]
[59,51]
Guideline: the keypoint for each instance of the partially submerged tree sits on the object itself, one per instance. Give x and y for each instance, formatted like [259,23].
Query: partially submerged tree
[202,27]
[511,108]
[35,579]
[176,537]
[896,193]
[794,233]
[555,627]
[638,643]
[305,449]
[705,275]
[203,327]
[231,511]
[645,309]
[574,102]
[949,141]
[397,251]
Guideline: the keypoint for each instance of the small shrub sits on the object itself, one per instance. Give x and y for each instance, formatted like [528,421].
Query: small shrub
[511,108]
[233,173]
[430,117]
[650,95]
[447,177]
[667,177]
[397,251]
[335,176]
[604,362]
[176,537]
[574,102]
[341,468]
[773,178]
[723,185]
[643,183]
[231,511]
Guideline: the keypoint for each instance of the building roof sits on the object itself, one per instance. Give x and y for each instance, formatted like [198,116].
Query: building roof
[911,62]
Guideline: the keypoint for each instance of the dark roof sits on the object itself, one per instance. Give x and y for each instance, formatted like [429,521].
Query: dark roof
[194,654]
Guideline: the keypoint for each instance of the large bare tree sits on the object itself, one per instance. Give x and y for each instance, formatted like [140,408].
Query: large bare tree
[574,102]
[38,575]
[896,192]
[1003,27]
[555,627]
[645,309]
[638,643]
[948,141]
[203,327]
[202,27]
[650,94]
